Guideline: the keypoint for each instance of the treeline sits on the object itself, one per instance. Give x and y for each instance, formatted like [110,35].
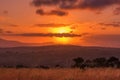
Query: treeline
[96,63]
[79,62]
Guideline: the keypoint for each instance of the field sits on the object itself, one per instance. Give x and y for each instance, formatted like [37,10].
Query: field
[59,74]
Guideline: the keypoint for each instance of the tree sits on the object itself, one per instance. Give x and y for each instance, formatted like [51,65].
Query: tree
[78,62]
[89,63]
[100,62]
[20,66]
[58,66]
[113,62]
[42,67]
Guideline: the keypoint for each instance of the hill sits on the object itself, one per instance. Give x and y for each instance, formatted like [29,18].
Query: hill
[53,54]
[10,43]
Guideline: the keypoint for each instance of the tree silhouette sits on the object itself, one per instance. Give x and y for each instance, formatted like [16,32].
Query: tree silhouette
[89,63]
[113,62]
[99,62]
[58,66]
[78,62]
[42,67]
[20,66]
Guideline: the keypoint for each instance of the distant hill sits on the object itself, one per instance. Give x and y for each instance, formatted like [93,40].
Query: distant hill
[53,54]
[9,43]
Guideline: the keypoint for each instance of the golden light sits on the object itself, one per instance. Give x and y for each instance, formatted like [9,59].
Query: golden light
[62,30]
[62,40]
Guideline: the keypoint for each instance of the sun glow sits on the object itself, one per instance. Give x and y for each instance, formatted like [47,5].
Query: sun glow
[62,40]
[62,30]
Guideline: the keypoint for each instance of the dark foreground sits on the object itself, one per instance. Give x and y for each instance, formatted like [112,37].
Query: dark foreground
[60,74]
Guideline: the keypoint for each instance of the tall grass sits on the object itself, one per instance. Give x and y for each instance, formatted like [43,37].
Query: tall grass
[60,74]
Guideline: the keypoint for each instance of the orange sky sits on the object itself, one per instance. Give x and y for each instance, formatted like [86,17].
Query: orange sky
[57,22]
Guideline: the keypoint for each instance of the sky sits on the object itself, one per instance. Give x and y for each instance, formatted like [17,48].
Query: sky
[74,22]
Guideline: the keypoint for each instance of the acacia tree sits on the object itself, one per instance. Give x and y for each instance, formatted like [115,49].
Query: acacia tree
[99,62]
[113,62]
[78,62]
[89,63]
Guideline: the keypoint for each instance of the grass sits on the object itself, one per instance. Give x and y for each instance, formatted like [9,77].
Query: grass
[59,74]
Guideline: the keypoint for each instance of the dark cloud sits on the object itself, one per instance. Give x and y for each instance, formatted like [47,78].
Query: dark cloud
[117,11]
[74,4]
[98,4]
[9,32]
[103,28]
[40,12]
[113,24]
[46,35]
[1,31]
[52,12]
[5,12]
[4,32]
[51,25]
[5,24]
[13,25]
[58,12]
[38,3]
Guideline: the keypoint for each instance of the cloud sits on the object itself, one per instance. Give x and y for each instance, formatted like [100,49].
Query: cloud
[13,25]
[46,35]
[98,4]
[5,12]
[117,11]
[1,31]
[113,24]
[52,12]
[4,24]
[5,32]
[58,12]
[40,12]
[74,4]
[51,25]
[38,3]
[8,32]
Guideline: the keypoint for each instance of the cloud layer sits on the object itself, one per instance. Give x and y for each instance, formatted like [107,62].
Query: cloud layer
[5,32]
[52,12]
[113,24]
[73,4]
[51,25]
[46,35]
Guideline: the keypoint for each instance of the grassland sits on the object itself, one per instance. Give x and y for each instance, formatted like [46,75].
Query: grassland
[59,74]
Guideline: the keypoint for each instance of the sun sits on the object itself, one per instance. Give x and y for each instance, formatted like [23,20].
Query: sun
[62,30]
[62,40]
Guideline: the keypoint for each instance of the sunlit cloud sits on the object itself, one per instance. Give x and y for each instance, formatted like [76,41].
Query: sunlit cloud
[51,25]
[113,24]
[8,24]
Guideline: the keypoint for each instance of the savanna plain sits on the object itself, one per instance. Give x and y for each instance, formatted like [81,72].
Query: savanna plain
[59,74]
